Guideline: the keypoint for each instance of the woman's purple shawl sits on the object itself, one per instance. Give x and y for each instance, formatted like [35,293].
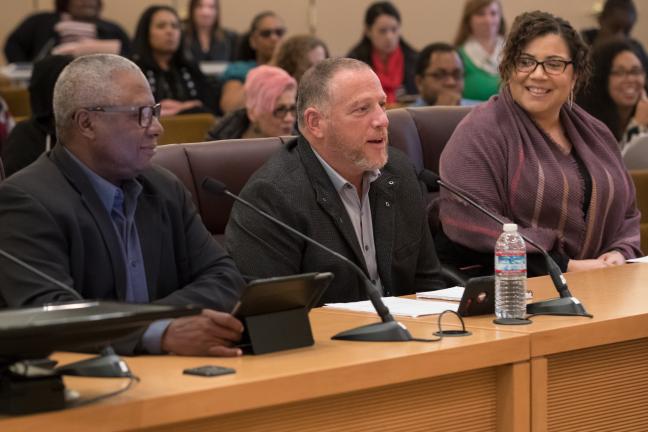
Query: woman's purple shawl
[504,161]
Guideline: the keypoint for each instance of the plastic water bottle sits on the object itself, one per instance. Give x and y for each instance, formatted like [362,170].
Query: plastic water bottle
[510,274]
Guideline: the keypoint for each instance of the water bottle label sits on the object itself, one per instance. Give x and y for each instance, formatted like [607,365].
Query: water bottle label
[511,264]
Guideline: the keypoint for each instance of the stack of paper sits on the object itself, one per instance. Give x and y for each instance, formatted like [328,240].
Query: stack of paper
[453,294]
[399,306]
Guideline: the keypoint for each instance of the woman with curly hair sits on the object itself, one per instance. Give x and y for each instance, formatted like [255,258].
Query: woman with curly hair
[549,166]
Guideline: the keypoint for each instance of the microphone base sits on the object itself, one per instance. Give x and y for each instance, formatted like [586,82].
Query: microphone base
[390,331]
[568,306]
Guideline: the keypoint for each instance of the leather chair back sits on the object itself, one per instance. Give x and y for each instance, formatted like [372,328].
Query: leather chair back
[229,161]
[422,132]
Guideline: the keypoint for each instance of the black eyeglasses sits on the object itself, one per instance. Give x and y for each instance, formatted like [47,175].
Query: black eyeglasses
[146,113]
[442,75]
[283,110]
[551,66]
[635,72]
[266,33]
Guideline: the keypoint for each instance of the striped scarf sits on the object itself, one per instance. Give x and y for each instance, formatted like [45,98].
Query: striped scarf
[503,160]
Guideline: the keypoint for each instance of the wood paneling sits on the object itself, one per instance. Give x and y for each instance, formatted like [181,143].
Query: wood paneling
[415,406]
[599,389]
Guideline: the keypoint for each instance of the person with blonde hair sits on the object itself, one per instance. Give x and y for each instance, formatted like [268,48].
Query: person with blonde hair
[480,40]
[270,98]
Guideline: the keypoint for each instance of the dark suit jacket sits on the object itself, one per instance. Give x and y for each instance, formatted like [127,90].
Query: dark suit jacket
[27,41]
[294,187]
[51,217]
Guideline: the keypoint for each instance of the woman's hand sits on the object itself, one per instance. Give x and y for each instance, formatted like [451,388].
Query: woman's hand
[588,264]
[613,258]
[608,259]
[172,107]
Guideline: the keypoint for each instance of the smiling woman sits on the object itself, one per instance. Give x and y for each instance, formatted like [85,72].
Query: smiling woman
[549,167]
[617,94]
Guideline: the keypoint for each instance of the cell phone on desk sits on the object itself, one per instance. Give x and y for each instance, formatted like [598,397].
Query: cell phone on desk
[209,371]
[478,297]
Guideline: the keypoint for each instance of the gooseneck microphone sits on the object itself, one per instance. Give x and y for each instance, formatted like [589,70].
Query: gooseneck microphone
[45,276]
[387,330]
[566,304]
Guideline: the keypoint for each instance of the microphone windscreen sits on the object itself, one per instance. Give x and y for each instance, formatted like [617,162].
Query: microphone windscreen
[430,179]
[214,186]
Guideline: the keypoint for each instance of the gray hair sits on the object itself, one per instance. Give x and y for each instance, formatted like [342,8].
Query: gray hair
[313,90]
[87,81]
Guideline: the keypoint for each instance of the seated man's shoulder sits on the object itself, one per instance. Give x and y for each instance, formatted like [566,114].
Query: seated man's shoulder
[160,181]
[284,168]
[39,178]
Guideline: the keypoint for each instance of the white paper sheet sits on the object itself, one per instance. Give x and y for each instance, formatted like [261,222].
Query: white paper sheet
[643,259]
[453,294]
[399,306]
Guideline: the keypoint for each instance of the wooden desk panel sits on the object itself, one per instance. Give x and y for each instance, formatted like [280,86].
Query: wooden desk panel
[616,296]
[590,374]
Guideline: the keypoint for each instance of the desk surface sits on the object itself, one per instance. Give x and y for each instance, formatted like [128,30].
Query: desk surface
[165,395]
[617,297]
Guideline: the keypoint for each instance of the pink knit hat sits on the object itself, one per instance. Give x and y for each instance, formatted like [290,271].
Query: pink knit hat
[263,86]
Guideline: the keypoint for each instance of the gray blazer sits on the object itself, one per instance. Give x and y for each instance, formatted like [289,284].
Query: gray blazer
[51,217]
[294,187]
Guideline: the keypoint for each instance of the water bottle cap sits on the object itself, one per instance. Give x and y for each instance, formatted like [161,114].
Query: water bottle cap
[510,227]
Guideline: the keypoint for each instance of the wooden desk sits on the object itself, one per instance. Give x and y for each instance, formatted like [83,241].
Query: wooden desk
[334,385]
[557,374]
[590,374]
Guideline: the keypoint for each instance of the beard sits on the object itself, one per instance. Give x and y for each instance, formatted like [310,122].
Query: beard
[356,153]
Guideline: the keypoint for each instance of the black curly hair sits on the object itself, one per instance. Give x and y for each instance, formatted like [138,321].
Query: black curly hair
[531,25]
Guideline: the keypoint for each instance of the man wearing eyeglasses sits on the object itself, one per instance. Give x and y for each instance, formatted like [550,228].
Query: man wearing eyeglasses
[440,76]
[94,214]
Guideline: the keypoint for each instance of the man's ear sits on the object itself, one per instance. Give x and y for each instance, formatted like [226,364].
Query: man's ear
[83,122]
[315,122]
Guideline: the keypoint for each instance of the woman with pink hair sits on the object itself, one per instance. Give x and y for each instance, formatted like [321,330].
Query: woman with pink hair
[270,110]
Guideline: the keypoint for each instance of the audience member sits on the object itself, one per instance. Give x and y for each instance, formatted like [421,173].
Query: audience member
[440,76]
[30,138]
[257,47]
[270,95]
[298,53]
[617,94]
[548,166]
[205,38]
[6,123]
[480,40]
[176,82]
[94,214]
[73,29]
[616,20]
[383,48]
[339,183]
